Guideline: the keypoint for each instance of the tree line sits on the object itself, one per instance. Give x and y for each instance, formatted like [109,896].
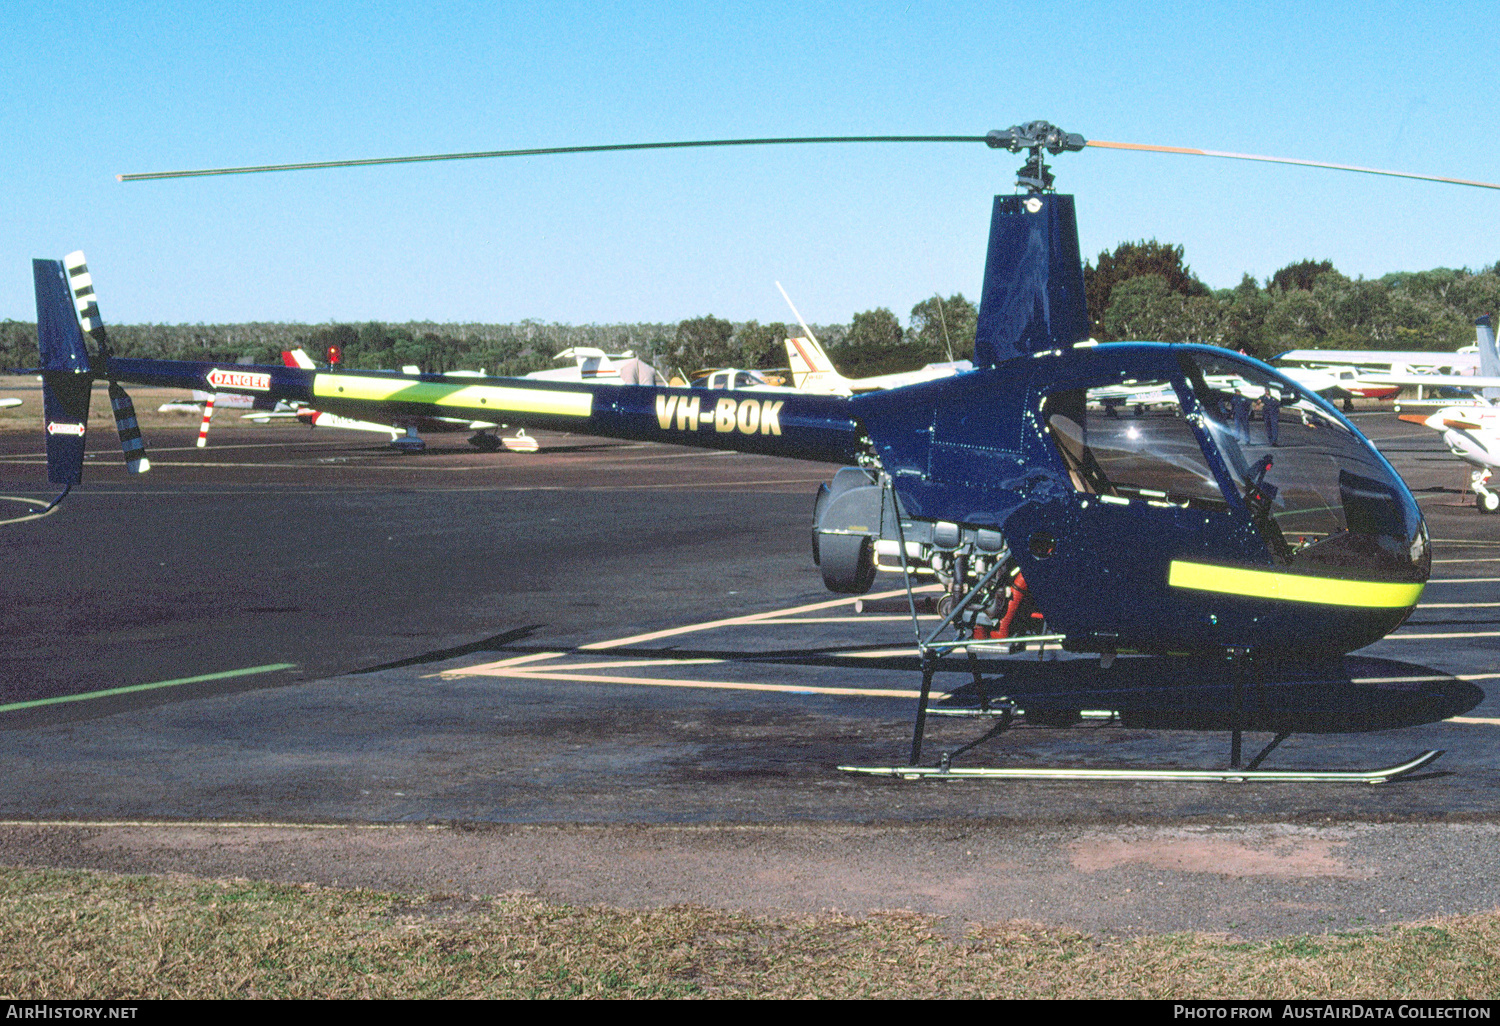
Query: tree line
[1139,290]
[1145,290]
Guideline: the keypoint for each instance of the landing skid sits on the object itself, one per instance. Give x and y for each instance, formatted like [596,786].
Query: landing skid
[1224,776]
[1003,711]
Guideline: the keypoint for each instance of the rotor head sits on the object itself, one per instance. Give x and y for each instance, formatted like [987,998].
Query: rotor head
[1035,136]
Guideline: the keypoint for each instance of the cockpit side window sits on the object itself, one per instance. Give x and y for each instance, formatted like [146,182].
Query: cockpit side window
[1128,441]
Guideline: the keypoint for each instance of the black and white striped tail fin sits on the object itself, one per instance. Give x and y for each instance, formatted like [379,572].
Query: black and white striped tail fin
[81,284]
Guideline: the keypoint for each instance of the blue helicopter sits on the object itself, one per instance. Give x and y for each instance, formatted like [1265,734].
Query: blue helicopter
[1182,534]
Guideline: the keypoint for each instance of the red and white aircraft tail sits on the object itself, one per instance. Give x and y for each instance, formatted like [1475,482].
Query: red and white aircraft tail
[812,371]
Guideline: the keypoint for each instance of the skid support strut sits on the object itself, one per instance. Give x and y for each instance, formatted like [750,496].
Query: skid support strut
[929,647]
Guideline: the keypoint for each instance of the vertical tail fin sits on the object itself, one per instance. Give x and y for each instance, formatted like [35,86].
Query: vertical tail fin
[66,377]
[1489,359]
[812,370]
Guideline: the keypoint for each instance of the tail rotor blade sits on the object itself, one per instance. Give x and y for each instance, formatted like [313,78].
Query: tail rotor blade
[130,431]
[81,284]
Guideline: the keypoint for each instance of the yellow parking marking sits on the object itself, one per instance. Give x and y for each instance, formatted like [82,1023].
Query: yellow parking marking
[514,661]
[1428,637]
[522,673]
[1488,721]
[847,619]
[751,618]
[502,669]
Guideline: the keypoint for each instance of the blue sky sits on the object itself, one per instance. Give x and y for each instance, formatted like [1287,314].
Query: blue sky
[94,90]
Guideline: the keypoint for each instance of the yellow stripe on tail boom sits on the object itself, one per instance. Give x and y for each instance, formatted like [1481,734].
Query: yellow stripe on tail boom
[479,398]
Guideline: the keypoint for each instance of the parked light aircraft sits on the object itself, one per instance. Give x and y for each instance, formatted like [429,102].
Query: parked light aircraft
[1165,535]
[1380,374]
[1472,433]
[1486,381]
[590,364]
[814,372]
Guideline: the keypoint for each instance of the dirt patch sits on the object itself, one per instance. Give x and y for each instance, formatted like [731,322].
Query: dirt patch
[1275,851]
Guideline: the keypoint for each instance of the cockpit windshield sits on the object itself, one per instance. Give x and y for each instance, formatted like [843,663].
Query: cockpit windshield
[1319,493]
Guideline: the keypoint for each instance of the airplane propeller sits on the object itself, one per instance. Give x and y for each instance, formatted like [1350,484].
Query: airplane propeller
[1034,136]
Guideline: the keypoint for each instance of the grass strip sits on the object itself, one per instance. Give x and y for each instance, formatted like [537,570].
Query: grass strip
[74,934]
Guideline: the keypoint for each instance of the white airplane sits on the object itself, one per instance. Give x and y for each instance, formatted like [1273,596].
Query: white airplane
[1487,362]
[596,365]
[735,377]
[6,404]
[1380,374]
[1472,433]
[1465,360]
[813,371]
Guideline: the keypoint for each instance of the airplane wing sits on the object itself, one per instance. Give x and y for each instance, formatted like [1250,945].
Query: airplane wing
[1377,358]
[1434,380]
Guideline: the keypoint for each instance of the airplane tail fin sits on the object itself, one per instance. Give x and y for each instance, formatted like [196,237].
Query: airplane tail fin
[67,381]
[812,371]
[1489,359]
[298,358]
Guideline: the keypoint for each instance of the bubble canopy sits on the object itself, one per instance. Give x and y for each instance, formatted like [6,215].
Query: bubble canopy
[1227,433]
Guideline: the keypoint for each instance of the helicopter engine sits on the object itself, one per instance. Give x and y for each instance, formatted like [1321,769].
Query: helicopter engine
[855,534]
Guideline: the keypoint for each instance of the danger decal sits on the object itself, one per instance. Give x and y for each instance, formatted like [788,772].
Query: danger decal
[747,416]
[253,381]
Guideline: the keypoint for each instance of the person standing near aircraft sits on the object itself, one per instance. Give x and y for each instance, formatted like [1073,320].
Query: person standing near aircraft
[1270,407]
[1240,403]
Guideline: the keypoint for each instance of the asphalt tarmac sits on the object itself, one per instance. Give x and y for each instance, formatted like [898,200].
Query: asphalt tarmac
[400,642]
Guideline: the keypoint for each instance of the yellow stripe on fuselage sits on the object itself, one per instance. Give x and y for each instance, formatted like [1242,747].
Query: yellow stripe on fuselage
[1270,584]
[478,398]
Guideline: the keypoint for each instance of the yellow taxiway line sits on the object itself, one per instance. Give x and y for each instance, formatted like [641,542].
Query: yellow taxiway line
[751,618]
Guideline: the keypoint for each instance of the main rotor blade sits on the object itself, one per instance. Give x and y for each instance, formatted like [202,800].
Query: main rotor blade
[1286,160]
[311,165]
